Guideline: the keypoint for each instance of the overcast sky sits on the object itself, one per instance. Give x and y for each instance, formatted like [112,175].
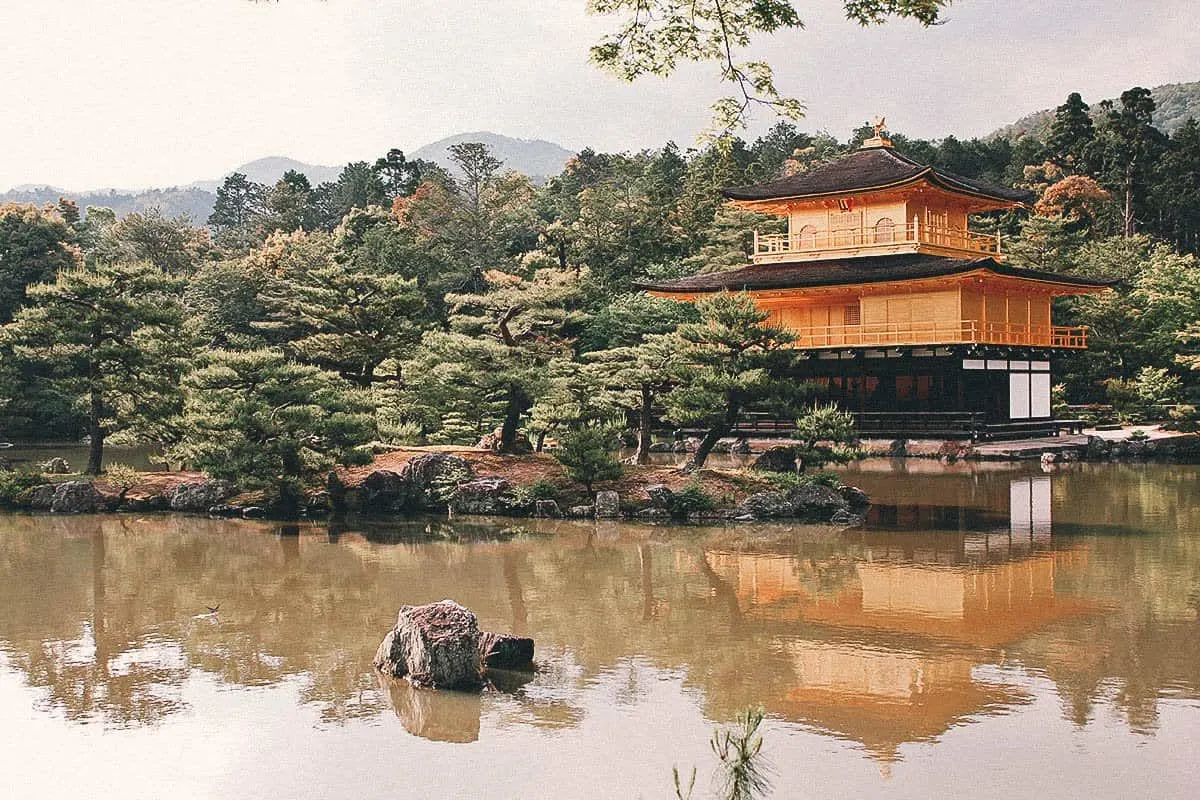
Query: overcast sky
[135,93]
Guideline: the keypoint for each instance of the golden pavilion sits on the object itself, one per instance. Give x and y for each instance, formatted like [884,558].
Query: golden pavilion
[904,314]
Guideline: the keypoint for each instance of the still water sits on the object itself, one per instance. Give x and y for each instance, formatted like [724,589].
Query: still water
[993,631]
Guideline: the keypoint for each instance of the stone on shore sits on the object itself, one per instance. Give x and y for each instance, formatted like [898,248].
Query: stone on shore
[427,468]
[56,466]
[780,458]
[816,501]
[581,512]
[764,505]
[434,645]
[76,497]
[547,508]
[608,505]
[198,495]
[505,651]
[481,496]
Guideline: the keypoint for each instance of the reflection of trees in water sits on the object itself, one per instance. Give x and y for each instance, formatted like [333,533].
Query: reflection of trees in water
[101,613]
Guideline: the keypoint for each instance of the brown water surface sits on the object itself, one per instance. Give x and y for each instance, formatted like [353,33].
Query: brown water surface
[992,631]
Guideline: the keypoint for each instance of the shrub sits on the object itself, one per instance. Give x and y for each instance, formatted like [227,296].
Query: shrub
[1184,418]
[122,477]
[543,490]
[587,456]
[824,423]
[524,497]
[689,500]
[14,484]
[787,481]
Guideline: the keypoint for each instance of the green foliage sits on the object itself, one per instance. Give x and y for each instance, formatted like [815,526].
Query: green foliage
[587,455]
[727,361]
[525,497]
[654,35]
[107,339]
[786,481]
[122,477]
[822,422]
[15,486]
[265,422]
[743,774]
[691,499]
[35,245]
[1185,418]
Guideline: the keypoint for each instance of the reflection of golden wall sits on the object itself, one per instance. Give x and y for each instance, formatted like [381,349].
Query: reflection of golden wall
[885,674]
[761,579]
[956,593]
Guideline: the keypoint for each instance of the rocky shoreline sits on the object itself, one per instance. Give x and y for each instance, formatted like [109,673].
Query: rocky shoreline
[470,481]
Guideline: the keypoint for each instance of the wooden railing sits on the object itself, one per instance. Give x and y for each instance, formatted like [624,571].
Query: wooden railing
[934,332]
[780,244]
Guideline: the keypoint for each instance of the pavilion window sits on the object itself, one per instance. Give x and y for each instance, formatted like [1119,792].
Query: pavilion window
[852,314]
[807,237]
[885,230]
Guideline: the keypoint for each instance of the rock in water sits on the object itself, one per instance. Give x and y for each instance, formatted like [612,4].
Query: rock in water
[608,505]
[433,645]
[504,651]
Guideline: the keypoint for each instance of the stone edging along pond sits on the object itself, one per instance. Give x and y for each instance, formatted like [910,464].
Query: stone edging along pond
[467,481]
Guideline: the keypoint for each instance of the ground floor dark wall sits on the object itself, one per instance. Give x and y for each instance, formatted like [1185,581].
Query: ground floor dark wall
[1003,386]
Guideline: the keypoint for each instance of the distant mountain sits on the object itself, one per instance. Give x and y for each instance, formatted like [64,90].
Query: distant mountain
[536,158]
[270,169]
[191,201]
[1176,102]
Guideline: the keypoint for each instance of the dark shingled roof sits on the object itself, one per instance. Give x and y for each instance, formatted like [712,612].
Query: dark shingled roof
[872,168]
[849,271]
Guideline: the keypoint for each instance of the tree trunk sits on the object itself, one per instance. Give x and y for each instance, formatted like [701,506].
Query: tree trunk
[1129,200]
[642,454]
[512,419]
[715,433]
[541,442]
[95,433]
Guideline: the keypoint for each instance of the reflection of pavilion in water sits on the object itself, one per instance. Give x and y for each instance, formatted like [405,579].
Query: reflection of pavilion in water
[892,641]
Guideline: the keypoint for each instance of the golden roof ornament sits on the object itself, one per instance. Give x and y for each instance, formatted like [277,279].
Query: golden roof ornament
[879,139]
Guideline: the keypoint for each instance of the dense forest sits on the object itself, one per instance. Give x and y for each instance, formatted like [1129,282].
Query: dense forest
[404,302]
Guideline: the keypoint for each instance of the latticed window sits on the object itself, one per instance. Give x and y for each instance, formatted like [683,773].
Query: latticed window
[885,230]
[853,314]
[807,237]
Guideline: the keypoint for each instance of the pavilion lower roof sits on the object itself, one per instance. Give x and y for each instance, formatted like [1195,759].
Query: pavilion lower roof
[852,271]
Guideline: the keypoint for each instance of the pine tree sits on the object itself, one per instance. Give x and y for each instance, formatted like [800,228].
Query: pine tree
[265,422]
[108,339]
[729,360]
[1072,135]
[339,313]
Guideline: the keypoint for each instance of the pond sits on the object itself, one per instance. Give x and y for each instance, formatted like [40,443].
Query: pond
[993,629]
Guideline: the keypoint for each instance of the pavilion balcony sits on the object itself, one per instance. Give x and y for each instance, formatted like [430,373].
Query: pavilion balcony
[941,333]
[810,244]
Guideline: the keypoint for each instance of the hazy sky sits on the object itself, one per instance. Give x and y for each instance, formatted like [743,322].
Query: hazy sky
[135,93]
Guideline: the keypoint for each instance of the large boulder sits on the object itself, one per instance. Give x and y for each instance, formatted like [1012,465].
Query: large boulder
[424,470]
[198,495]
[434,645]
[608,504]
[386,490]
[56,466]
[76,497]
[481,496]
[547,508]
[764,505]
[855,497]
[780,458]
[816,501]
[40,497]
[660,496]
[505,651]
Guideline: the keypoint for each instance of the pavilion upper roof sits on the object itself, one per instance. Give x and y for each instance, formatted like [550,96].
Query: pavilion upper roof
[870,169]
[855,271]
